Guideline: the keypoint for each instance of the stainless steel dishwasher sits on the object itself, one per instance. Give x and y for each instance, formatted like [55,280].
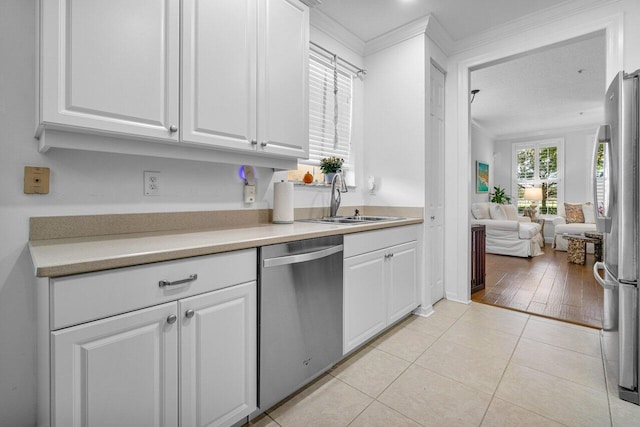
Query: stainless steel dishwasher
[300,314]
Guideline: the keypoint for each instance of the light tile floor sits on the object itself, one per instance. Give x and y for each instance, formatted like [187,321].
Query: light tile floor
[466,365]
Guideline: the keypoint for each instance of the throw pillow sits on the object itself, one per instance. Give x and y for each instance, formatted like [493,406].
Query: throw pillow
[588,212]
[573,213]
[497,212]
[480,210]
[511,212]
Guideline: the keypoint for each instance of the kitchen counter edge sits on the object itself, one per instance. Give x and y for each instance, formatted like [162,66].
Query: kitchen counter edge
[64,257]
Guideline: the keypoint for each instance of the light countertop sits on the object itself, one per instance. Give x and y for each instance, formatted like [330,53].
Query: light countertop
[66,256]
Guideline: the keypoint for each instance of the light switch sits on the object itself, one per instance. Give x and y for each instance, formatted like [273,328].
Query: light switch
[36,180]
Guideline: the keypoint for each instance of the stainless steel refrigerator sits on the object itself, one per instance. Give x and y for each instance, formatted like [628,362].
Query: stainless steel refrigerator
[616,195]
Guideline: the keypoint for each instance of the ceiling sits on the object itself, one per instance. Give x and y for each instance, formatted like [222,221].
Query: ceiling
[559,87]
[368,19]
[532,93]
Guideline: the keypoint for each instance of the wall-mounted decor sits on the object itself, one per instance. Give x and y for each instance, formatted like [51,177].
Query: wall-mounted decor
[482,177]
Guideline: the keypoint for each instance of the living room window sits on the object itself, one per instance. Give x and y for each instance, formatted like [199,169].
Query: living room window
[538,164]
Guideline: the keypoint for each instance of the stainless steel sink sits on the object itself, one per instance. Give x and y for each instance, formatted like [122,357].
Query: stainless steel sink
[352,220]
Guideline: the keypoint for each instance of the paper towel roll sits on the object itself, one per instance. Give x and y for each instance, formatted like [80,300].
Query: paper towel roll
[283,202]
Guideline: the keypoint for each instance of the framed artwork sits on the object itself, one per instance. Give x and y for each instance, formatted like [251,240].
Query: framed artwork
[482,177]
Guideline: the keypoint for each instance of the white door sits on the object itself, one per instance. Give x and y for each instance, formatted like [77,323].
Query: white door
[218,359]
[434,221]
[118,371]
[283,64]
[219,73]
[365,300]
[111,66]
[402,284]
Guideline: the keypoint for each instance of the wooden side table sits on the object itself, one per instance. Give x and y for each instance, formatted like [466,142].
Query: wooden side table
[597,245]
[577,247]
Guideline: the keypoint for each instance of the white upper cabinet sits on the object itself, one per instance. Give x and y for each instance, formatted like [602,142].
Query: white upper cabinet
[245,75]
[110,66]
[283,78]
[224,74]
[219,73]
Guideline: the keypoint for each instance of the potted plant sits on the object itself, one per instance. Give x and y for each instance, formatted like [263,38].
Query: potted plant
[329,166]
[499,196]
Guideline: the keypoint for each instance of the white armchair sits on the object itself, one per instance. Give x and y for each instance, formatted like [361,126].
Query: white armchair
[561,226]
[506,232]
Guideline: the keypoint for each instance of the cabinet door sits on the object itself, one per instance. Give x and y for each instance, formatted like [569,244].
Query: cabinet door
[283,68]
[365,303]
[219,73]
[110,66]
[402,280]
[122,370]
[218,359]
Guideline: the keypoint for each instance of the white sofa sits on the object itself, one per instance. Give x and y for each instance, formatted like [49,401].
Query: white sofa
[560,226]
[506,232]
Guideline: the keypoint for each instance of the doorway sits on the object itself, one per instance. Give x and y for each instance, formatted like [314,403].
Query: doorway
[526,112]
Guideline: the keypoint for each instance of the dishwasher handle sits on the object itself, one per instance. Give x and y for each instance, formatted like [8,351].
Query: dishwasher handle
[304,257]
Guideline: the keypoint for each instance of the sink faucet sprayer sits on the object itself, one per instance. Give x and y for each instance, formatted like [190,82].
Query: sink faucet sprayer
[335,193]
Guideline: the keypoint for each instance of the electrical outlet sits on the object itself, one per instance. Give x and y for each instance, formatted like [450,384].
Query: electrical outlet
[151,183]
[249,193]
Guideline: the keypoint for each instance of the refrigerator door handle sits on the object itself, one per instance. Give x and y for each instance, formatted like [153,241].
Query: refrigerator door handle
[600,266]
[601,207]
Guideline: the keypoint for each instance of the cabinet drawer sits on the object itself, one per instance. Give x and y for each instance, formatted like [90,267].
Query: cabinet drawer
[84,297]
[369,241]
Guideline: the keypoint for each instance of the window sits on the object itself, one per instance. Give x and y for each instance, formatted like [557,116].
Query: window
[330,109]
[538,164]
[330,115]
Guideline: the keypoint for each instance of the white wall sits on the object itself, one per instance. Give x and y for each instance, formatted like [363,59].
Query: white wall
[578,149]
[86,183]
[394,123]
[481,150]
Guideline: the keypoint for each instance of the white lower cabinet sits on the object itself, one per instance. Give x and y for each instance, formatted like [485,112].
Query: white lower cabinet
[218,356]
[190,361]
[380,286]
[365,312]
[118,371]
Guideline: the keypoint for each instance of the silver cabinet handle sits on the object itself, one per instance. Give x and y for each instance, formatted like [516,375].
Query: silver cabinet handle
[254,142]
[432,218]
[163,283]
[263,144]
[387,256]
[172,319]
[173,128]
[189,314]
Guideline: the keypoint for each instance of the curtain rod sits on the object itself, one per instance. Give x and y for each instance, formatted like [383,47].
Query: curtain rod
[360,72]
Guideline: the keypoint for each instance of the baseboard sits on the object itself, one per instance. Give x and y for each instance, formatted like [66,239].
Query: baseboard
[458,300]
[424,311]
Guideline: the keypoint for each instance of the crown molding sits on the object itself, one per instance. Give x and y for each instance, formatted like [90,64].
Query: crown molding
[311,3]
[439,35]
[528,22]
[398,35]
[546,133]
[331,28]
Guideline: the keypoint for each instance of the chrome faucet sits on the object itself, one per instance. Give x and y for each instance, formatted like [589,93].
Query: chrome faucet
[335,193]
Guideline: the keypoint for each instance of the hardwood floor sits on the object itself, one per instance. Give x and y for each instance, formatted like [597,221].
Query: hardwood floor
[546,285]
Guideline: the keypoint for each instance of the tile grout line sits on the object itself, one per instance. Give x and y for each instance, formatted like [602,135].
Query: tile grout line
[411,363]
[606,380]
[493,395]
